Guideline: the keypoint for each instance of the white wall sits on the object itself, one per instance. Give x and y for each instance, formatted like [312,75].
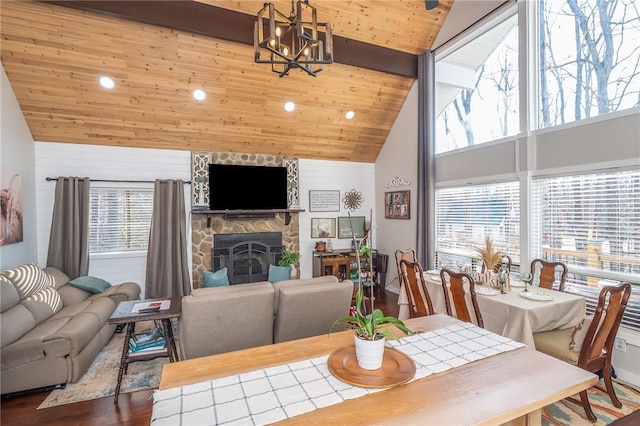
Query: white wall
[333,175]
[110,163]
[16,156]
[397,159]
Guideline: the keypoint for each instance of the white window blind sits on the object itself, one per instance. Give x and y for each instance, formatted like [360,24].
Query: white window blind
[120,219]
[591,222]
[466,215]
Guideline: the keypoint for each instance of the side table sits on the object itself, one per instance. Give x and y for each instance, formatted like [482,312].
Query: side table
[124,314]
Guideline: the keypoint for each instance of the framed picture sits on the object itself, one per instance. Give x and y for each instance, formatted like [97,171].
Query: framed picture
[323,227]
[324,201]
[397,205]
[344,230]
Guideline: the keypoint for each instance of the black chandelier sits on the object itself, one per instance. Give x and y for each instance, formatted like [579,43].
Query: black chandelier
[292,41]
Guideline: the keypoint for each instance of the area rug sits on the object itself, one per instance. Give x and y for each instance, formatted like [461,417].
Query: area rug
[568,413]
[102,376]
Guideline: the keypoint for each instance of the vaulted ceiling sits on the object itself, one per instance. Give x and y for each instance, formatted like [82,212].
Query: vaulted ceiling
[158,52]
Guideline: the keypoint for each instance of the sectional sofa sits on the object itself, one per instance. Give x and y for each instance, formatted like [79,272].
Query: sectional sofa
[223,319]
[51,331]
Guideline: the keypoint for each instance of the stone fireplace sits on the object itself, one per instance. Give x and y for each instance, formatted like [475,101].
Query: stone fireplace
[246,256]
[207,227]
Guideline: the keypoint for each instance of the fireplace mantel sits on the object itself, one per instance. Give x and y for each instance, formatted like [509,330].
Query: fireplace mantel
[248,214]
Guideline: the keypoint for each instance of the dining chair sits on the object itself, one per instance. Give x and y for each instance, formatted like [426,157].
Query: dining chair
[404,254]
[416,288]
[546,273]
[457,300]
[590,344]
[497,266]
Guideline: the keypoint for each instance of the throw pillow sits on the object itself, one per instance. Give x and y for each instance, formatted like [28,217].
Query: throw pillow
[216,279]
[91,284]
[27,279]
[279,273]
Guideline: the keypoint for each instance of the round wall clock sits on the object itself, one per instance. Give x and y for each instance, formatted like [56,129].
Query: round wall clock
[352,200]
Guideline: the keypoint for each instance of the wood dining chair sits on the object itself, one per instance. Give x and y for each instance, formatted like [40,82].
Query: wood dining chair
[416,289]
[453,285]
[404,254]
[547,273]
[590,344]
[497,266]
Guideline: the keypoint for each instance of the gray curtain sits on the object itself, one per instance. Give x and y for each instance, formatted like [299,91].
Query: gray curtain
[426,164]
[69,238]
[167,269]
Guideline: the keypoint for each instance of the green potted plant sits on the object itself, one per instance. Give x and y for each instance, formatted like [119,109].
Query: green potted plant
[290,258]
[371,330]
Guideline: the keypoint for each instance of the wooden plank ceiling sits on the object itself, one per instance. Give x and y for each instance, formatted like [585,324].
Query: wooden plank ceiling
[53,56]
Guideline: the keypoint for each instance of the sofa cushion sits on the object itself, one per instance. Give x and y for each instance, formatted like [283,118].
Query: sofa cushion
[71,295]
[16,322]
[28,279]
[9,296]
[222,319]
[120,292]
[91,284]
[78,324]
[43,304]
[310,309]
[57,277]
[297,283]
[21,352]
[31,349]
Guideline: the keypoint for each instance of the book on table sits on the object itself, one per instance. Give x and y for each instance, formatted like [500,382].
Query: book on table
[148,339]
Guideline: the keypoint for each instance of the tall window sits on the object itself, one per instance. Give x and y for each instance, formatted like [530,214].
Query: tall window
[589,58]
[466,215]
[477,89]
[591,222]
[120,219]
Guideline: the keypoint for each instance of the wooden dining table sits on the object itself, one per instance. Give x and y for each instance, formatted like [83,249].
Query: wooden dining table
[508,388]
[510,314]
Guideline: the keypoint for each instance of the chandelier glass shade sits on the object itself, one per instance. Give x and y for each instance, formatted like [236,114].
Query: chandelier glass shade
[294,41]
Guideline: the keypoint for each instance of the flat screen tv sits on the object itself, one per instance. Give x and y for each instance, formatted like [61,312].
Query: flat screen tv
[236,187]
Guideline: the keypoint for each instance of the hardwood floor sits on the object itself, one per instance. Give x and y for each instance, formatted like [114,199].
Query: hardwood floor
[134,409]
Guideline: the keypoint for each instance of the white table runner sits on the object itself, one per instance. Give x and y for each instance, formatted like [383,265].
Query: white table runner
[276,393]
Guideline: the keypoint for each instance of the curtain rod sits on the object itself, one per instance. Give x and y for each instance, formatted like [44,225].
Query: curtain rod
[188,182]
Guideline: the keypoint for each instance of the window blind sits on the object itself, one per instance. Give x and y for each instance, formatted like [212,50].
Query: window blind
[466,215]
[120,219]
[591,222]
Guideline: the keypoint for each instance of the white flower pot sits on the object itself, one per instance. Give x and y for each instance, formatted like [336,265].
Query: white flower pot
[369,353]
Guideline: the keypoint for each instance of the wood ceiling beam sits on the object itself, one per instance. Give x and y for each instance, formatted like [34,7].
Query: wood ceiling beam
[216,22]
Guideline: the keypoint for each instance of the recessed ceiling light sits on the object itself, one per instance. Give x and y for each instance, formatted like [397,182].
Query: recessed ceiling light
[289,106]
[199,95]
[350,114]
[107,82]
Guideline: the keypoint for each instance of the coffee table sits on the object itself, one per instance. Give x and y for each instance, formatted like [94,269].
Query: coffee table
[124,314]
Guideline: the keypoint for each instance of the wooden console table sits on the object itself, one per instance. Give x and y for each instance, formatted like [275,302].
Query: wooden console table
[340,263]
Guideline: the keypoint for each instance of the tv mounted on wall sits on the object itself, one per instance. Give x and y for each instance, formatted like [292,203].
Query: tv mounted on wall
[238,187]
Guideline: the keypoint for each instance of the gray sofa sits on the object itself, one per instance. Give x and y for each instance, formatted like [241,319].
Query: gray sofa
[223,319]
[52,331]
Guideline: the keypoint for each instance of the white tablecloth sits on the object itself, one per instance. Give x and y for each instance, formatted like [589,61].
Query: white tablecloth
[511,315]
[276,393]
